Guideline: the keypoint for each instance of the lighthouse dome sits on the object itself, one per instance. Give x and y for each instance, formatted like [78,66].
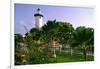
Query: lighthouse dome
[38,13]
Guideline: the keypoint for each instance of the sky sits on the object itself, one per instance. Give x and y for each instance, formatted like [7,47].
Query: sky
[77,16]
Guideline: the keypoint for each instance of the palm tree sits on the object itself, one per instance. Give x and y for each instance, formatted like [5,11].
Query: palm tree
[83,36]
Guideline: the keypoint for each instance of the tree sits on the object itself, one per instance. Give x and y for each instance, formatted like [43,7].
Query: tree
[57,31]
[18,38]
[83,36]
[20,50]
[37,53]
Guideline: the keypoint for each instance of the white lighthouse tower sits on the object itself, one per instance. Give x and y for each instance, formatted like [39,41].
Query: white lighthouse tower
[38,18]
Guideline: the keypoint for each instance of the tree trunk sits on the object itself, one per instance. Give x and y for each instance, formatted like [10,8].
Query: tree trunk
[85,53]
[71,51]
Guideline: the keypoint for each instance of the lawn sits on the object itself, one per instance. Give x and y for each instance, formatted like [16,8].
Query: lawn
[60,58]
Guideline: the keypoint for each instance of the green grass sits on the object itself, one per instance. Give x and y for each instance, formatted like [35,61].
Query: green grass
[60,58]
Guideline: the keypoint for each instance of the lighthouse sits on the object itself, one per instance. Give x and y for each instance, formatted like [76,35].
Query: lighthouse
[38,18]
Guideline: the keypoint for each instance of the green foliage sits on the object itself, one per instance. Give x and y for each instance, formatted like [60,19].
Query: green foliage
[57,30]
[35,49]
[84,37]
[37,54]
[18,38]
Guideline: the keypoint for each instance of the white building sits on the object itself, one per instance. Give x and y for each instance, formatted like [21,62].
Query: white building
[38,19]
